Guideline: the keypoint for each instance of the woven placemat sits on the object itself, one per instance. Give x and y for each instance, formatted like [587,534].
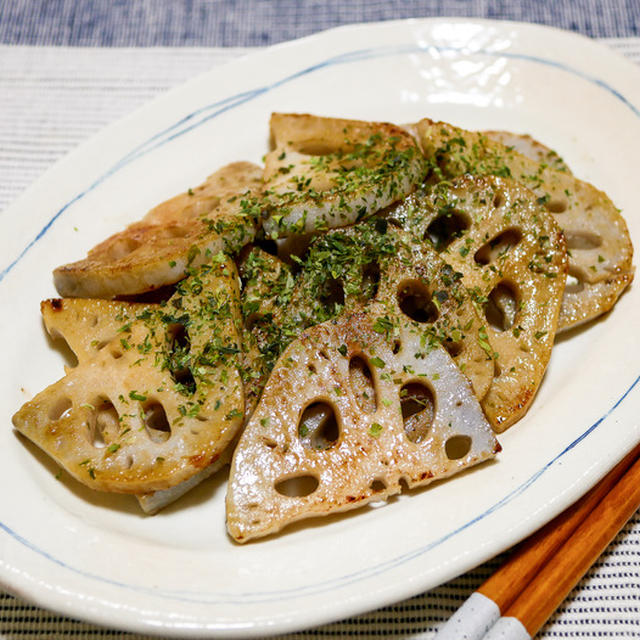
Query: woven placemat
[223,23]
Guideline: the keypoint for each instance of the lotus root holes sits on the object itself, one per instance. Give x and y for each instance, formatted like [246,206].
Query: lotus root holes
[297,486]
[155,422]
[575,281]
[557,205]
[501,308]
[457,447]
[178,353]
[332,293]
[454,349]
[446,228]
[417,403]
[115,352]
[98,346]
[582,240]
[60,408]
[315,148]
[370,280]
[361,382]
[106,423]
[318,426]
[268,246]
[269,443]
[414,300]
[497,247]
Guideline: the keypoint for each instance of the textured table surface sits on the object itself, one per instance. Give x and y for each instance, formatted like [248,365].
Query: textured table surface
[41,119]
[247,23]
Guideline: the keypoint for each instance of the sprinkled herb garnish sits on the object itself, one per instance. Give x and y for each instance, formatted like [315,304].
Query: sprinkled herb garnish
[375,430]
[483,341]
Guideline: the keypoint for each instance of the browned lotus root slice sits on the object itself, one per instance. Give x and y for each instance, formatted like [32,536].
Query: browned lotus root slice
[88,325]
[156,405]
[530,147]
[597,236]
[317,444]
[184,231]
[513,259]
[329,172]
[419,284]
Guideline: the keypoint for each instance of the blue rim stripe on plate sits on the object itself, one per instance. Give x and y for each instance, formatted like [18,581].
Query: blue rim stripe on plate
[200,117]
[190,122]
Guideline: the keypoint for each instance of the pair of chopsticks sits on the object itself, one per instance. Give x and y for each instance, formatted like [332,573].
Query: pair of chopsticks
[517,600]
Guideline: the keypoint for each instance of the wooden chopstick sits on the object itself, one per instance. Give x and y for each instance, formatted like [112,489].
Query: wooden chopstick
[542,596]
[530,555]
[501,593]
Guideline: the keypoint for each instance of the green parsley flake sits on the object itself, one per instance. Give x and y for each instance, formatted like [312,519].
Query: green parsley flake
[375,430]
[382,325]
[234,413]
[483,341]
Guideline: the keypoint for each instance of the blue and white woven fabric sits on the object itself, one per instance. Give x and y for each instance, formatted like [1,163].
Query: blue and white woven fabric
[248,23]
[38,51]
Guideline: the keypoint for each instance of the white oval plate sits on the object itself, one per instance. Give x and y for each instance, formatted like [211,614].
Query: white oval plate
[96,557]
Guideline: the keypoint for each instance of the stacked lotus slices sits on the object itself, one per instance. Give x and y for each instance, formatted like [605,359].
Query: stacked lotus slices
[362,314]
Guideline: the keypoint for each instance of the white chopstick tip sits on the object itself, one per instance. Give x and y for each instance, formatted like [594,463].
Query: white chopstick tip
[472,620]
[507,629]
